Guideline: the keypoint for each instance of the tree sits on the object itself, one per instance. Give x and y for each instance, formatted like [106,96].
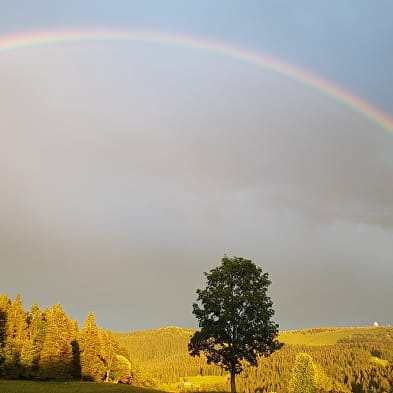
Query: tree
[109,350]
[56,357]
[5,304]
[16,338]
[303,378]
[309,377]
[36,337]
[234,315]
[92,366]
[121,370]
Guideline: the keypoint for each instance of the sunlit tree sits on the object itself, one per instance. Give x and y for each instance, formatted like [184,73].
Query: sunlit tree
[56,357]
[92,365]
[234,313]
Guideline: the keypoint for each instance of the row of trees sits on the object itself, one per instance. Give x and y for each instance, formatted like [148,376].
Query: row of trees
[47,344]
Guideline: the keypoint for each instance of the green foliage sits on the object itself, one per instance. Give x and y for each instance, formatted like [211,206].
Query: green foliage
[163,353]
[234,314]
[121,369]
[309,377]
[5,303]
[48,345]
[16,338]
[303,379]
[92,366]
[56,356]
[140,377]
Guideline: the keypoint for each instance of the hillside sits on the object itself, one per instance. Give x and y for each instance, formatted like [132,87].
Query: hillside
[331,336]
[359,358]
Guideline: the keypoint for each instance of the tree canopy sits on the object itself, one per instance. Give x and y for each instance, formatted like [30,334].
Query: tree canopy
[234,313]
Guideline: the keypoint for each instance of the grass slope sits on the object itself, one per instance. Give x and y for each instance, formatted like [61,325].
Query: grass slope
[330,336]
[67,387]
[149,345]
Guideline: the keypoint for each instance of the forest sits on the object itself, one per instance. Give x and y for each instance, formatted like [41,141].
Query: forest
[46,344]
[356,359]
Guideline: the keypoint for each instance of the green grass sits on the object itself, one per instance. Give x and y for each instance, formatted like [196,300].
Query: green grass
[330,336]
[68,387]
[207,380]
[380,362]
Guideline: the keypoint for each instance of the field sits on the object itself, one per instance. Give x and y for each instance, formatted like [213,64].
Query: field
[330,336]
[67,387]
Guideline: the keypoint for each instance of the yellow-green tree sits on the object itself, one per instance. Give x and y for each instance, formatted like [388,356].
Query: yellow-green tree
[56,358]
[109,350]
[92,365]
[303,378]
[16,337]
[5,304]
[36,335]
[76,361]
[121,369]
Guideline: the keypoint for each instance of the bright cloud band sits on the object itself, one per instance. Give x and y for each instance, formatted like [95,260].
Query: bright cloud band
[55,37]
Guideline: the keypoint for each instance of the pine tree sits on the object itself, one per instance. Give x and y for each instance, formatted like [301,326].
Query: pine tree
[303,379]
[140,377]
[5,304]
[36,335]
[92,366]
[76,361]
[56,358]
[16,338]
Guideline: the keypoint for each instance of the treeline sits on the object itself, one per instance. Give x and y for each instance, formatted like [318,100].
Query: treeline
[48,345]
[361,363]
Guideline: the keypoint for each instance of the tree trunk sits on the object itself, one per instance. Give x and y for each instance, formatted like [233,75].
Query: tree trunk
[233,384]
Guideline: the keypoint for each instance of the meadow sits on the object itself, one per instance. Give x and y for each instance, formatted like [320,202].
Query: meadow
[68,387]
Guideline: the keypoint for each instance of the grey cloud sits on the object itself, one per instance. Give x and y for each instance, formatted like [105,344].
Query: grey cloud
[133,173]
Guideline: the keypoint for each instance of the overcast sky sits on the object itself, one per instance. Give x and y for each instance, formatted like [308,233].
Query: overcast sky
[127,170]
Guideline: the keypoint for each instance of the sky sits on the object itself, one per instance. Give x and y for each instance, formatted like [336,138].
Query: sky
[130,168]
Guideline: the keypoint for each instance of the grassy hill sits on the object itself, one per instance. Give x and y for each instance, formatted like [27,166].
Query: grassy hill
[358,357]
[331,336]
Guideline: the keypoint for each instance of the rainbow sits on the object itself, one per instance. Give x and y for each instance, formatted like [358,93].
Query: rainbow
[45,38]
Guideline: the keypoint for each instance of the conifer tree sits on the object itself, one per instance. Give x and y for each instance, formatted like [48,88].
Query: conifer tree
[92,367]
[56,358]
[36,336]
[140,377]
[5,303]
[303,379]
[16,338]
[76,362]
